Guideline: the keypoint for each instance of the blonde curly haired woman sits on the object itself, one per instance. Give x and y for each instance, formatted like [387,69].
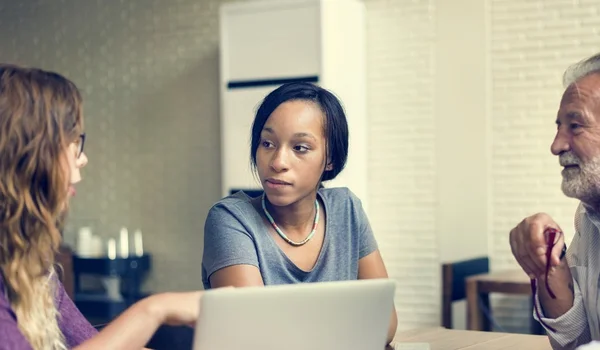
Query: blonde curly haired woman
[41,155]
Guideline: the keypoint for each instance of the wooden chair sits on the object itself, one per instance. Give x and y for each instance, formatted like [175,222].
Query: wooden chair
[454,276]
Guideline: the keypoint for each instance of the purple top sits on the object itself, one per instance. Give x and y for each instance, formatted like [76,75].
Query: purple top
[74,326]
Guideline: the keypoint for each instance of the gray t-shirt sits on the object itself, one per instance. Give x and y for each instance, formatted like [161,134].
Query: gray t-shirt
[235,234]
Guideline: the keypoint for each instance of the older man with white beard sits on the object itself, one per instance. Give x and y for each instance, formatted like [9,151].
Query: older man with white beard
[567,302]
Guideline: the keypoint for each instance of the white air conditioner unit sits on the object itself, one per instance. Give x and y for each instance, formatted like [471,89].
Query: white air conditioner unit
[264,44]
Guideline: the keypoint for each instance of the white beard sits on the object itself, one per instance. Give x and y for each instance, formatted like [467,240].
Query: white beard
[582,182]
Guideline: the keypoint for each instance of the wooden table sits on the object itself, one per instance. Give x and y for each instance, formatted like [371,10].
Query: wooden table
[452,339]
[480,286]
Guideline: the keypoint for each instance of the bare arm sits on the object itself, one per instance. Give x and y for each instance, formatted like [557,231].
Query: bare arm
[237,276]
[372,266]
[134,327]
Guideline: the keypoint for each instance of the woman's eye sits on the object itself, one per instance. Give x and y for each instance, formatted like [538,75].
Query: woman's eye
[301,148]
[267,144]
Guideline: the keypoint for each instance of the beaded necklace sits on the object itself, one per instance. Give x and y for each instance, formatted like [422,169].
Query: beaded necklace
[283,235]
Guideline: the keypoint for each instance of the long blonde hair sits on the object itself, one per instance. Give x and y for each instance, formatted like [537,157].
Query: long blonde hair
[40,115]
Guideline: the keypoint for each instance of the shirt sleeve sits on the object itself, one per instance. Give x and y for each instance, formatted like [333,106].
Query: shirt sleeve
[75,327]
[226,240]
[572,328]
[366,240]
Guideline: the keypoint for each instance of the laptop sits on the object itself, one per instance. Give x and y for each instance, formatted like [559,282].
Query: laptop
[349,315]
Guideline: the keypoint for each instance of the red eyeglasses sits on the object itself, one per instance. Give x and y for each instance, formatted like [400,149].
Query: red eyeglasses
[550,234]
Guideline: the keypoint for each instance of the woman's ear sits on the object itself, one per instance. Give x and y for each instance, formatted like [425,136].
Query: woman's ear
[329,167]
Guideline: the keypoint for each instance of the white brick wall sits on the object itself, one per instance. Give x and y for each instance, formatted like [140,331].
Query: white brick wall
[531,44]
[400,78]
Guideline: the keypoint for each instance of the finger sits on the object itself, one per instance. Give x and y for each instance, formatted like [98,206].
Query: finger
[519,254]
[557,249]
[527,268]
[537,245]
[528,265]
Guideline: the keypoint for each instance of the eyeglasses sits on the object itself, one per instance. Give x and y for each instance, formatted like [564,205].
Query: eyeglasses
[80,145]
[550,234]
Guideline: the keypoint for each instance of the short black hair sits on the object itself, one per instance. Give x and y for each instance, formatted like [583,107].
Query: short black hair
[335,123]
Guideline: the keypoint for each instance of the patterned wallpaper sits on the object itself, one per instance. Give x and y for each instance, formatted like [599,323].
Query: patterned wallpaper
[148,71]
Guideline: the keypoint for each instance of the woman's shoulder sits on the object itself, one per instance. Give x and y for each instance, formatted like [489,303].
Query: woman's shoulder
[234,210]
[339,196]
[236,202]
[342,204]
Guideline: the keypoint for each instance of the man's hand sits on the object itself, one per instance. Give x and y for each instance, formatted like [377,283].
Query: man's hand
[528,244]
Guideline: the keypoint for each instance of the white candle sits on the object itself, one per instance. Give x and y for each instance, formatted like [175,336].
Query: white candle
[112,249]
[84,241]
[139,247]
[124,243]
[97,248]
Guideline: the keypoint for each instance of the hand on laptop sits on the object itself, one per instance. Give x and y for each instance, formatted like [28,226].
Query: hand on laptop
[177,309]
[136,325]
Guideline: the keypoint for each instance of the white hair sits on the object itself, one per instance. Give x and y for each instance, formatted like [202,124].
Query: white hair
[581,69]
